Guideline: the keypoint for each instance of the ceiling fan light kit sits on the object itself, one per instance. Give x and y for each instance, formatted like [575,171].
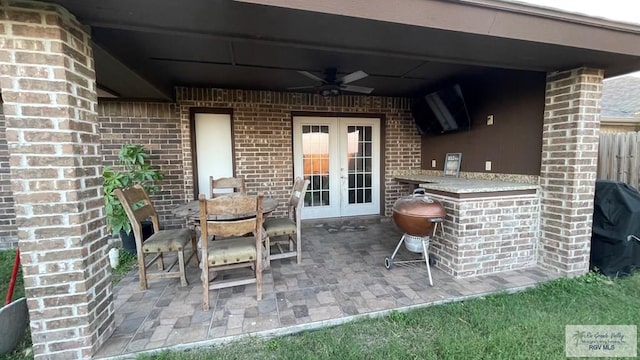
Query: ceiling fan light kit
[329,90]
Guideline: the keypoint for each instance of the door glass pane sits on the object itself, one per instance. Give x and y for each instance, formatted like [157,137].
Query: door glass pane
[367,134]
[315,163]
[359,155]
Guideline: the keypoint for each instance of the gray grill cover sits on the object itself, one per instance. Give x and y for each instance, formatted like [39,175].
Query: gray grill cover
[616,215]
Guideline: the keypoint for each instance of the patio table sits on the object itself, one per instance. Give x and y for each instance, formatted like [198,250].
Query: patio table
[191,210]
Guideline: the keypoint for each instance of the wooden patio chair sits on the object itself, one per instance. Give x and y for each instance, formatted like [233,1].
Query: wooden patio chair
[286,230]
[226,218]
[226,185]
[138,207]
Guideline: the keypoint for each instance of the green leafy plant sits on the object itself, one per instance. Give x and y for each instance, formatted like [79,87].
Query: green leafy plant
[133,169]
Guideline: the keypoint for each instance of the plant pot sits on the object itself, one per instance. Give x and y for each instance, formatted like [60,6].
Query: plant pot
[129,241]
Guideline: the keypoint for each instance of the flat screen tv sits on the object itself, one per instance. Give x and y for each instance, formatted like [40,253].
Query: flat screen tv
[440,112]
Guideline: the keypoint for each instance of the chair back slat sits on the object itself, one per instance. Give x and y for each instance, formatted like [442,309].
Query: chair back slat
[231,228]
[232,205]
[227,185]
[145,212]
[138,207]
[247,209]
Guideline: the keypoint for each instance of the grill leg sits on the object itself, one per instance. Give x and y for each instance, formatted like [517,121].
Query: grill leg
[425,251]
[397,247]
[435,228]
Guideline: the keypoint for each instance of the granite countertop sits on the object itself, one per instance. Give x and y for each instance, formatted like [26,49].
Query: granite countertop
[460,186]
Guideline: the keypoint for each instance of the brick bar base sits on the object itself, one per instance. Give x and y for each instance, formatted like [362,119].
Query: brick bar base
[487,235]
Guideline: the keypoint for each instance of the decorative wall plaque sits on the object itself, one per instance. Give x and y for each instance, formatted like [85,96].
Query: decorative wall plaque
[452,164]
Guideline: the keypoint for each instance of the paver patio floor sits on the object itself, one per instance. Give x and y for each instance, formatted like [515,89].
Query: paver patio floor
[342,277]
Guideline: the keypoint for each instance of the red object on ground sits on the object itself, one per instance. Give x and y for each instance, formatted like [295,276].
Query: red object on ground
[14,276]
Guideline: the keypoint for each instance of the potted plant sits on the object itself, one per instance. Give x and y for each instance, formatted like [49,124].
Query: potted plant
[132,169]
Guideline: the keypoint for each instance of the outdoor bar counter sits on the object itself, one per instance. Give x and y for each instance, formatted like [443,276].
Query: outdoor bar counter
[491,225]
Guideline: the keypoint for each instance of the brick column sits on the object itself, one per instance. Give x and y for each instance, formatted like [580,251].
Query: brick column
[8,229]
[48,87]
[568,172]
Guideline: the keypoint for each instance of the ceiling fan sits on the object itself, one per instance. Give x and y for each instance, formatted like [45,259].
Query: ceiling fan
[331,86]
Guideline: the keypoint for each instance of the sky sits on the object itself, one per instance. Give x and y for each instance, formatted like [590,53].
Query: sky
[620,10]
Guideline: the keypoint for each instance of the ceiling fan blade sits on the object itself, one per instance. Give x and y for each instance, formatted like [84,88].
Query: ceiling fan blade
[358,89]
[356,75]
[300,87]
[311,76]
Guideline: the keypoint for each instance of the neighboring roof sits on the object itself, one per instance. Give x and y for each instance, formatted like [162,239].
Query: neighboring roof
[621,97]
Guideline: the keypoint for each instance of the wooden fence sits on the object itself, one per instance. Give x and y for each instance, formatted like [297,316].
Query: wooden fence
[619,157]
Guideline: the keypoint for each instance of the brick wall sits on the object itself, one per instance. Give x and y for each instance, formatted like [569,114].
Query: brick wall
[262,129]
[163,128]
[487,235]
[48,89]
[568,172]
[156,126]
[8,228]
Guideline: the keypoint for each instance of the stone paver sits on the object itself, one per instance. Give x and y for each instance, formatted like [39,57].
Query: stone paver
[342,274]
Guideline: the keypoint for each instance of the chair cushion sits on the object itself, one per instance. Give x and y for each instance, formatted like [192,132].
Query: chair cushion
[168,240]
[279,226]
[232,251]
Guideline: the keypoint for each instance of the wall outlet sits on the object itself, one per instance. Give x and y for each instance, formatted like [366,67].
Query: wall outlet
[487,165]
[490,120]
[433,163]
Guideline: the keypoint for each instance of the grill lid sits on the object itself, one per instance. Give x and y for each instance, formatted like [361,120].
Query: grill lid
[419,205]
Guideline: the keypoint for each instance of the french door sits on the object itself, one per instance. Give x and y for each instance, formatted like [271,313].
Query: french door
[341,158]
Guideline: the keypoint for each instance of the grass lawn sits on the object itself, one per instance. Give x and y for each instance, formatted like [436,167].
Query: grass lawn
[526,325]
[23,351]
